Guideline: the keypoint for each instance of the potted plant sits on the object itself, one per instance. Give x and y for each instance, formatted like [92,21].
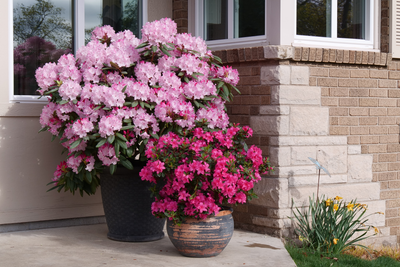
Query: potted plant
[119,91]
[201,170]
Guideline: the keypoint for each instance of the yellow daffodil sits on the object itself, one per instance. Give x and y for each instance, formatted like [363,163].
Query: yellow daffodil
[376,230]
[301,238]
[328,202]
[338,198]
[380,212]
[350,206]
[335,207]
[335,240]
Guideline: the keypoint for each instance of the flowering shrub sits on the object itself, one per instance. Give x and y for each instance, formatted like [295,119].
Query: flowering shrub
[202,169]
[119,91]
[332,225]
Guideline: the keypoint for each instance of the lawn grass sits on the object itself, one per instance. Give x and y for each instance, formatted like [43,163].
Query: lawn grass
[304,257]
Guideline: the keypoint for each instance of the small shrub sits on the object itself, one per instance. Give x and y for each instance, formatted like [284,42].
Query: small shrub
[332,225]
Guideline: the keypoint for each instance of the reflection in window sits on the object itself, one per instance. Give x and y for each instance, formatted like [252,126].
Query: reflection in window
[120,14]
[42,33]
[314,17]
[351,19]
[249,18]
[216,19]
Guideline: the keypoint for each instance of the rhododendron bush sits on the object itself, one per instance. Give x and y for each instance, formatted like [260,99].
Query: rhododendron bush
[119,91]
[201,170]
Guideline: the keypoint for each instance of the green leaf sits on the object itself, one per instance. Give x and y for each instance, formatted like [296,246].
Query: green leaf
[75,144]
[220,84]
[111,139]
[127,127]
[154,48]
[101,142]
[44,129]
[64,140]
[135,103]
[97,108]
[106,109]
[53,138]
[186,79]
[165,52]
[155,135]
[127,164]
[113,168]
[62,102]
[116,147]
[142,45]
[120,136]
[122,144]
[129,152]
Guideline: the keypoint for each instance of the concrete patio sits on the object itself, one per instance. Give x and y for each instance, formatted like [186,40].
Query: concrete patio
[88,246]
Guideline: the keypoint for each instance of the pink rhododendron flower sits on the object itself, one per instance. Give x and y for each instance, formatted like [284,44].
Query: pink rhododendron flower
[107,154]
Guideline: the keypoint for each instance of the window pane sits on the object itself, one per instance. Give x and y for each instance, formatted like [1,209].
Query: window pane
[215,19]
[351,19]
[249,18]
[42,33]
[314,17]
[120,14]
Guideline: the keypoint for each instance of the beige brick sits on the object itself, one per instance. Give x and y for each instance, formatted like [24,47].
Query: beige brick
[353,140]
[389,139]
[364,59]
[393,111]
[361,130]
[305,53]
[359,92]
[332,55]
[387,84]
[394,148]
[339,56]
[387,120]
[388,176]
[337,130]
[358,112]
[350,121]
[393,129]
[384,57]
[378,129]
[369,121]
[384,185]
[369,139]
[394,75]
[379,167]
[348,102]
[380,74]
[369,102]
[359,57]
[346,56]
[377,59]
[339,112]
[327,82]
[325,91]
[391,194]
[371,58]
[334,120]
[378,92]
[387,102]
[325,55]
[313,81]
[387,157]
[348,82]
[395,93]
[378,111]
[338,92]
[352,57]
[359,74]
[394,166]
[312,54]
[318,55]
[377,148]
[389,213]
[343,73]
[393,203]
[367,83]
[329,101]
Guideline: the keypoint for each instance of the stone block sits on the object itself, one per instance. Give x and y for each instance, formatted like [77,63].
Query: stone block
[313,179]
[279,213]
[360,191]
[309,121]
[291,171]
[272,192]
[278,52]
[274,110]
[275,74]
[333,158]
[308,140]
[360,168]
[354,150]
[270,125]
[299,75]
[300,154]
[271,222]
[279,156]
[299,95]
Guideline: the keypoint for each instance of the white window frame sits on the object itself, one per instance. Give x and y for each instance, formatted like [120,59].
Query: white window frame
[196,27]
[371,29]
[79,41]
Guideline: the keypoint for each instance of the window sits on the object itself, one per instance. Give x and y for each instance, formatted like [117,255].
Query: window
[227,22]
[342,22]
[43,30]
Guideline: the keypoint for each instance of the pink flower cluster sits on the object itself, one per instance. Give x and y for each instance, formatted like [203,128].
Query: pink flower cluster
[202,170]
[120,90]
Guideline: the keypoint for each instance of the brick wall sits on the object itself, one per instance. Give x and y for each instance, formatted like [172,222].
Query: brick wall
[385,26]
[180,14]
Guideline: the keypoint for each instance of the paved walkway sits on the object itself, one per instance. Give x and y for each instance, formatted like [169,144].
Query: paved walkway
[88,246]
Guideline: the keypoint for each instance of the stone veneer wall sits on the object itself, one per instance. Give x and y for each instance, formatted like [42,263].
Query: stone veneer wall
[337,106]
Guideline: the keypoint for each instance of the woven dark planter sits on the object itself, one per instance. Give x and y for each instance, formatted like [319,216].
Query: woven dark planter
[127,207]
[202,238]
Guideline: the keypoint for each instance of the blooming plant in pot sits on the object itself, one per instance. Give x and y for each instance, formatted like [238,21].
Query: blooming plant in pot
[119,91]
[201,170]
